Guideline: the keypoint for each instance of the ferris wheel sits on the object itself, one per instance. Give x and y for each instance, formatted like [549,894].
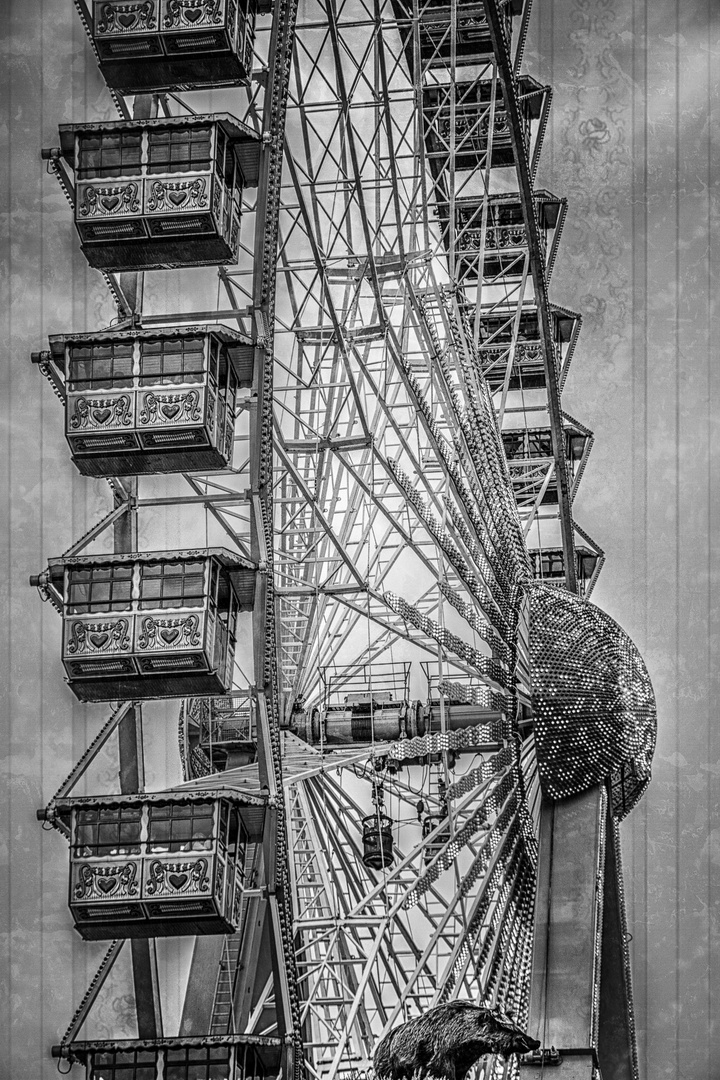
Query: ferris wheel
[406,736]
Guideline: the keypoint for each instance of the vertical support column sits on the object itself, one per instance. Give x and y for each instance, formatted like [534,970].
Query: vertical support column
[581,998]
[568,920]
[199,1000]
[275,918]
[616,1033]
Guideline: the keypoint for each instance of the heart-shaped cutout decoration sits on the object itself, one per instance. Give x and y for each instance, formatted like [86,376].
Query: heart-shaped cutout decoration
[177,880]
[98,640]
[100,416]
[107,884]
[109,202]
[193,15]
[170,411]
[170,635]
[125,20]
[177,198]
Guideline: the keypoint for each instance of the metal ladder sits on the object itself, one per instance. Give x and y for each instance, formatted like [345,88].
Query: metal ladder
[222,1010]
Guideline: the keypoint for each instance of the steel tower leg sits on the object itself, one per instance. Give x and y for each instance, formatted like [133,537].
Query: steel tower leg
[580,1003]
[617,1048]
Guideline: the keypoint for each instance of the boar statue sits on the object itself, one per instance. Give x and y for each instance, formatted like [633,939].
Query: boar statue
[447,1041]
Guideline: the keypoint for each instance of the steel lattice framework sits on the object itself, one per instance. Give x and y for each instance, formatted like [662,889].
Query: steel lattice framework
[397,531]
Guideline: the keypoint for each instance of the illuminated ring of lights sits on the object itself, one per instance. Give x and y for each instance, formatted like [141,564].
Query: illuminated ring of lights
[595,716]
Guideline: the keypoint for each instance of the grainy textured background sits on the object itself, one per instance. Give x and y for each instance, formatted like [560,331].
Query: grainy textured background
[632,145]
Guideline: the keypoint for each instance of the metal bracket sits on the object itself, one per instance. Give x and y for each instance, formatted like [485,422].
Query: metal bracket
[543,1058]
